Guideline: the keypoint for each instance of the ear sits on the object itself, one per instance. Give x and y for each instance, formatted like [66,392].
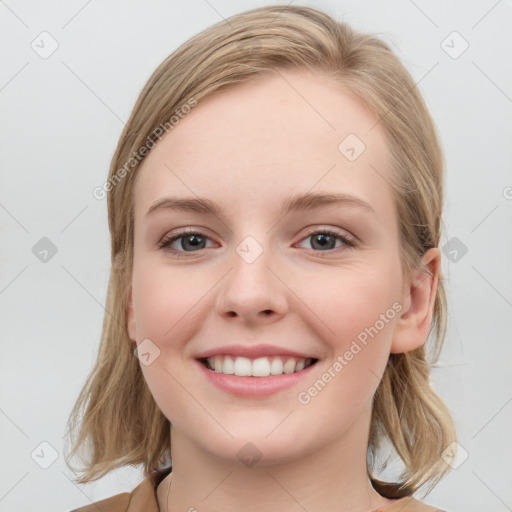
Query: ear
[130,320]
[418,299]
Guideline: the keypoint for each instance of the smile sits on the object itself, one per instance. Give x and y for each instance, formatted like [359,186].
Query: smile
[259,367]
[256,378]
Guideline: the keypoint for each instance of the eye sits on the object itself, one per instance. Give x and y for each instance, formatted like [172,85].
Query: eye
[325,240]
[188,241]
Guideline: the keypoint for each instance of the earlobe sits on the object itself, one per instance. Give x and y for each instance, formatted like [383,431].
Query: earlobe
[131,325]
[413,326]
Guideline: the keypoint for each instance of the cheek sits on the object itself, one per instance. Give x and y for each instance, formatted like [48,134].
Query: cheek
[352,301]
[360,315]
[166,302]
[166,305]
[359,307]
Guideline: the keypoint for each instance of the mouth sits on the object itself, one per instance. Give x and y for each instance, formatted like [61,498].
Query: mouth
[256,367]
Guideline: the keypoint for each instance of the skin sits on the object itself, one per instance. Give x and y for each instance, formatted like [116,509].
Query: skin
[263,141]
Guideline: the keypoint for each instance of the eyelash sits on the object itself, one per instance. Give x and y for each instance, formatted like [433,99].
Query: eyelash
[349,242]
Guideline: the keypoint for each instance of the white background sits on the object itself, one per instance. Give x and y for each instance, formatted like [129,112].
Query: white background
[61,118]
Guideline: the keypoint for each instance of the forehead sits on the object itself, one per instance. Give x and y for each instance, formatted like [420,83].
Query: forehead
[281,134]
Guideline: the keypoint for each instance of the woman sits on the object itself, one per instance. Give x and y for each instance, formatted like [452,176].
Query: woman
[275,204]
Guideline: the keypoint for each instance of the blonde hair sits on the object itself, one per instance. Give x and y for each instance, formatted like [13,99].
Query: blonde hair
[122,424]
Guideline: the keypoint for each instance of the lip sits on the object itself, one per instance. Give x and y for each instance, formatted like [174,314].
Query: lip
[252,352]
[253,387]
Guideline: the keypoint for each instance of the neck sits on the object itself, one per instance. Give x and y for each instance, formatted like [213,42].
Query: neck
[334,477]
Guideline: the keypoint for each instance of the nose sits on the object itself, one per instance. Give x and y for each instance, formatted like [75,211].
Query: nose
[252,291]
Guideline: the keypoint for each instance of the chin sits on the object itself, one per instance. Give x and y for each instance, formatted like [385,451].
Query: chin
[252,446]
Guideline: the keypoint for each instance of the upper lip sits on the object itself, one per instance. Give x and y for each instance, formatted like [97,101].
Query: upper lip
[252,352]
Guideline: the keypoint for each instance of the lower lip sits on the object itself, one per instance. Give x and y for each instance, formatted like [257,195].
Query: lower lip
[254,386]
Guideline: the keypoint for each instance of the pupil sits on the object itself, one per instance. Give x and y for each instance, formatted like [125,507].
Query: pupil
[189,240]
[322,239]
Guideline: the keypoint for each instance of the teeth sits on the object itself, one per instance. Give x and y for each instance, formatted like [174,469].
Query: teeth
[289,366]
[260,367]
[243,367]
[276,367]
[229,366]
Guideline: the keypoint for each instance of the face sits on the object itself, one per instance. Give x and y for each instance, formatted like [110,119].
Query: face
[267,276]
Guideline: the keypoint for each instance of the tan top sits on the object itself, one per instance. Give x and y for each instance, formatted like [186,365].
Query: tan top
[143,499]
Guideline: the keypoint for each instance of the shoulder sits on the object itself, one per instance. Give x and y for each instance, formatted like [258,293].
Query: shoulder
[141,499]
[410,504]
[117,503]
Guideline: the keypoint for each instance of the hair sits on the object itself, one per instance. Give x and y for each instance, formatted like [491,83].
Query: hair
[121,423]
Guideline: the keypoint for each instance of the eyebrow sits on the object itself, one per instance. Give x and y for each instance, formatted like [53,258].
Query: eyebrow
[299,202]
